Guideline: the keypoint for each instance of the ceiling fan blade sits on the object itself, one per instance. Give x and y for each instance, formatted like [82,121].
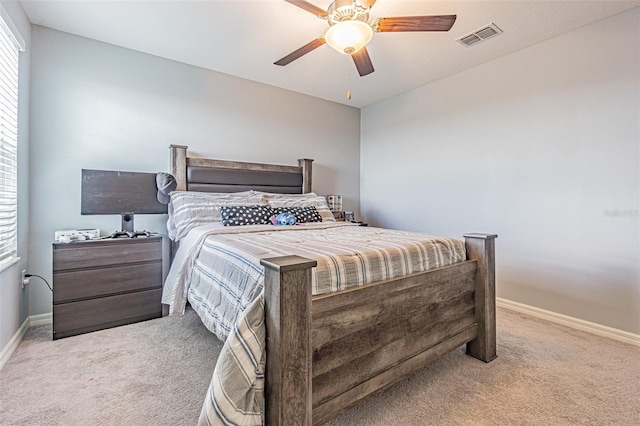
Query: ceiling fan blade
[363,62]
[367,3]
[300,52]
[312,8]
[415,23]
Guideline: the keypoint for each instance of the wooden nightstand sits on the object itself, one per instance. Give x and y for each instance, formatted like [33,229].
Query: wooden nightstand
[105,283]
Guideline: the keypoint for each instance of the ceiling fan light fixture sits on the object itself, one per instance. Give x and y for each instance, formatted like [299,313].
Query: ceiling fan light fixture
[348,37]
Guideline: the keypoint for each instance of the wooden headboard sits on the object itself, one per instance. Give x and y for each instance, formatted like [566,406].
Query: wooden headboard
[207,175]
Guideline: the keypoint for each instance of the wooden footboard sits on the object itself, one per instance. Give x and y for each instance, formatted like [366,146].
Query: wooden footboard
[329,352]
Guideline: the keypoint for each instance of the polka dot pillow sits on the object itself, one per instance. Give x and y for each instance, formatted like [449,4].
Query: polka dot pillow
[245,215]
[302,214]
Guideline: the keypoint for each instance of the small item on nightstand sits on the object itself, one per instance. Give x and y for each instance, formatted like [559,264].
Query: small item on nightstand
[70,235]
[64,239]
[130,234]
[350,217]
[334,201]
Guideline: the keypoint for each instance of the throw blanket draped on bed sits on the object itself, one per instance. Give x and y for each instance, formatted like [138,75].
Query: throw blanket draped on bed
[221,276]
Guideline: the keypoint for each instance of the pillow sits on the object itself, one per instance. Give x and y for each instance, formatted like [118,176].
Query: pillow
[277,196]
[301,200]
[246,215]
[165,183]
[302,214]
[188,209]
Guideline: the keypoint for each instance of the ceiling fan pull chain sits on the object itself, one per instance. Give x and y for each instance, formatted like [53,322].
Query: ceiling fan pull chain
[348,78]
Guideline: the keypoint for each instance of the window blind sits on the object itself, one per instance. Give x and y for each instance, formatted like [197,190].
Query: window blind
[9,53]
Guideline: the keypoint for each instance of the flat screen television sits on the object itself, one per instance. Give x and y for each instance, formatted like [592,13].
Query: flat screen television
[118,192]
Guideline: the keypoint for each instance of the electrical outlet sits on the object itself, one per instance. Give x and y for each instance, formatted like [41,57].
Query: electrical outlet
[23,278]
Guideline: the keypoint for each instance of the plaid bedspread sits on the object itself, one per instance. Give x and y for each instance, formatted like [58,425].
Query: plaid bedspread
[226,289]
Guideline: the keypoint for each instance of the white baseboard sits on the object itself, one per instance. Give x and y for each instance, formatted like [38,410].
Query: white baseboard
[578,324]
[32,321]
[42,319]
[8,350]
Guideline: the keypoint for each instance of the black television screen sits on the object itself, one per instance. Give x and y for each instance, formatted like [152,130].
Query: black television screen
[117,192]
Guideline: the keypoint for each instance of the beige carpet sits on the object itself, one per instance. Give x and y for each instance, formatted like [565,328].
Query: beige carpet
[156,373]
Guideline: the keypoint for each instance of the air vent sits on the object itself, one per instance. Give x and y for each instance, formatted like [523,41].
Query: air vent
[479,35]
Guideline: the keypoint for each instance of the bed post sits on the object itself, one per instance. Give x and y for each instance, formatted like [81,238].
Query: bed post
[178,165]
[288,319]
[306,165]
[481,247]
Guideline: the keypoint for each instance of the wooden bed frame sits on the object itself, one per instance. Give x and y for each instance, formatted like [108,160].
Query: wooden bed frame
[327,353]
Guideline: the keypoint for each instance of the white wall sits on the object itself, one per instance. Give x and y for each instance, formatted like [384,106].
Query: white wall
[95,105]
[14,301]
[540,147]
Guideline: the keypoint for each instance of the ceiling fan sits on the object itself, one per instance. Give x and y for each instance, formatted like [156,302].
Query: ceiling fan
[349,32]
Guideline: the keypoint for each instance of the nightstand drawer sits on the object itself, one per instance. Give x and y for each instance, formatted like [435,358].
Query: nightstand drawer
[91,254]
[95,314]
[87,283]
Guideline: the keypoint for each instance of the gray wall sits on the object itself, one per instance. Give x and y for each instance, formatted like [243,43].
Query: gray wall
[14,301]
[95,105]
[540,147]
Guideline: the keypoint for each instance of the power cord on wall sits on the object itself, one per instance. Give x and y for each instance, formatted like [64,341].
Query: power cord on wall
[38,276]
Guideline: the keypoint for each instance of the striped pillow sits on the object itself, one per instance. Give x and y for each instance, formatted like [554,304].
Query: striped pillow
[301,200]
[188,209]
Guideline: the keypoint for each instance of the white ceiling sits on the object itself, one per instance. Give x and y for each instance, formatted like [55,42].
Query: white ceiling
[244,37]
